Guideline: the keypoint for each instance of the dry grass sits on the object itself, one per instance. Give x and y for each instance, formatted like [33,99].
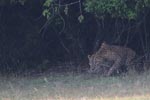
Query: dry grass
[71,86]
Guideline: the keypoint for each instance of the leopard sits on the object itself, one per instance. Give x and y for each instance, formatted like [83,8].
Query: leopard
[109,58]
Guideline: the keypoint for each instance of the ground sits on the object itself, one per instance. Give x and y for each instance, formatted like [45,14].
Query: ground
[75,86]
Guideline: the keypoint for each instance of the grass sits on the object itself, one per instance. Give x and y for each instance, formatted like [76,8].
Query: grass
[71,86]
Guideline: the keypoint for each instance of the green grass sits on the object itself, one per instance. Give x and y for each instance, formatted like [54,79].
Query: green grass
[69,86]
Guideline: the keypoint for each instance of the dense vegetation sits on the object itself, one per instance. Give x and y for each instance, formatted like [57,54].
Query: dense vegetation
[37,34]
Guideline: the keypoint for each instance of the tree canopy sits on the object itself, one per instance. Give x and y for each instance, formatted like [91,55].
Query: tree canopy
[129,9]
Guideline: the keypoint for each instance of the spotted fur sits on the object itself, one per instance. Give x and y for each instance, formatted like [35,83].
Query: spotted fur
[109,58]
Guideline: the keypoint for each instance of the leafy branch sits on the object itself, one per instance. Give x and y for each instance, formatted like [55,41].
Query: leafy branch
[57,6]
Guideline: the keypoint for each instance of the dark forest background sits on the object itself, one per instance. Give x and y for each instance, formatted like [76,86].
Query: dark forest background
[57,35]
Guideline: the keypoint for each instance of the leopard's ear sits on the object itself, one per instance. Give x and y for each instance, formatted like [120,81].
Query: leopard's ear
[89,56]
[104,44]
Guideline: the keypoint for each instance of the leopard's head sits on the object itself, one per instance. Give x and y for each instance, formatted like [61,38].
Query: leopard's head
[94,64]
[98,65]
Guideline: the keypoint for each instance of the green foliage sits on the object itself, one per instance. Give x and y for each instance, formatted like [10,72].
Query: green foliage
[81,18]
[46,13]
[47,3]
[128,9]
[53,8]
[66,10]
[147,3]
[50,8]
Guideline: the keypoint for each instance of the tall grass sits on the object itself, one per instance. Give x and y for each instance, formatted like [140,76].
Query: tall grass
[71,86]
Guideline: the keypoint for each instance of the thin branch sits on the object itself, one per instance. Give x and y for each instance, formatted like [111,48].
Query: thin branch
[49,20]
[69,4]
[64,24]
[80,6]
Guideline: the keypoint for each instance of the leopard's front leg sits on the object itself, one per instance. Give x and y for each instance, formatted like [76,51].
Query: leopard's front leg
[115,66]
